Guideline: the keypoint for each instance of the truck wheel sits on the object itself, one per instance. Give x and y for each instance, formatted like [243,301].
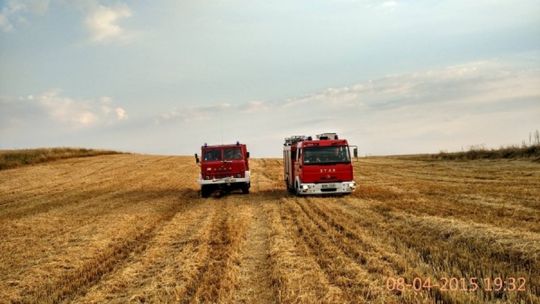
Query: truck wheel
[290,189]
[245,188]
[205,191]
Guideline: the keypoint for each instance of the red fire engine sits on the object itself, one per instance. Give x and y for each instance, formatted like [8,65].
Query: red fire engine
[321,166]
[224,168]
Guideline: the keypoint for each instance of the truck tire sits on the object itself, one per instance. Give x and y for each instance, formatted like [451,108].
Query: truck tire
[245,188]
[290,189]
[205,191]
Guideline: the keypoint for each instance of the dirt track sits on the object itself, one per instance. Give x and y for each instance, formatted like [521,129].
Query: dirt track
[123,228]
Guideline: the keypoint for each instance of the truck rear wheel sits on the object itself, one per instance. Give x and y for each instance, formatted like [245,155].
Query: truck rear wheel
[297,188]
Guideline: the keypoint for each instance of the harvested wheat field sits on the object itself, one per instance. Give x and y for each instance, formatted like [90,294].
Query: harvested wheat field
[132,228]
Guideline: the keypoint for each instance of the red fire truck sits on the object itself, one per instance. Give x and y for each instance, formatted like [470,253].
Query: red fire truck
[224,168]
[320,166]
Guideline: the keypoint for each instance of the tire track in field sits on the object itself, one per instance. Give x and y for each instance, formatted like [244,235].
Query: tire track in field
[216,279]
[255,284]
[214,257]
[207,283]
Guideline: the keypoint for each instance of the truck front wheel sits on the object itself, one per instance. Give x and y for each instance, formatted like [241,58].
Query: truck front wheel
[297,188]
[206,191]
[245,188]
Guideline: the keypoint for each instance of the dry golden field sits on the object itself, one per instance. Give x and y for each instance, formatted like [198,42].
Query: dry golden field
[132,228]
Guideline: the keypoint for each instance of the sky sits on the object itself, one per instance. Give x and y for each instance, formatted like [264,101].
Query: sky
[166,76]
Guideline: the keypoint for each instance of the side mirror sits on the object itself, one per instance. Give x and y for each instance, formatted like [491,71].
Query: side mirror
[247,154]
[355,152]
[196,158]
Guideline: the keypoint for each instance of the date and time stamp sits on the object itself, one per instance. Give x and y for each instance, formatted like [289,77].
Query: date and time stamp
[472,284]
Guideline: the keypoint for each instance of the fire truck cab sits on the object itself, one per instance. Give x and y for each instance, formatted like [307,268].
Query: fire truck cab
[223,168]
[320,166]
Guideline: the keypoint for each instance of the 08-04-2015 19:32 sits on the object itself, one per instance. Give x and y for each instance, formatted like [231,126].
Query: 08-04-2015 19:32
[471,284]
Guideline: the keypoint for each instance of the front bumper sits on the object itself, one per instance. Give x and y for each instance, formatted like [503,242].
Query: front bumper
[225,180]
[327,188]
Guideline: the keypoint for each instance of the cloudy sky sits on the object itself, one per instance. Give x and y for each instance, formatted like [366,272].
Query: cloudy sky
[165,76]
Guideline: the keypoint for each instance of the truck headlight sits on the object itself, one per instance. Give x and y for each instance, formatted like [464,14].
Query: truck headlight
[304,187]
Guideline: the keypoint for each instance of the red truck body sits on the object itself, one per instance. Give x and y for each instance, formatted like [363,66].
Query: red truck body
[224,167]
[321,166]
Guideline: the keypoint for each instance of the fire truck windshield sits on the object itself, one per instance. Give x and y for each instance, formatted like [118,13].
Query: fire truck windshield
[326,155]
[232,154]
[212,155]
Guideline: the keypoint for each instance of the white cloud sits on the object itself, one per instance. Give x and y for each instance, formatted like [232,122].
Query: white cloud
[254,106]
[379,5]
[38,6]
[15,12]
[5,24]
[190,114]
[66,110]
[9,14]
[389,4]
[59,109]
[196,113]
[102,22]
[120,113]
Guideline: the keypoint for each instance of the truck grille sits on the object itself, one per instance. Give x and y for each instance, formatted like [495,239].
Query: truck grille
[328,179]
[222,175]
